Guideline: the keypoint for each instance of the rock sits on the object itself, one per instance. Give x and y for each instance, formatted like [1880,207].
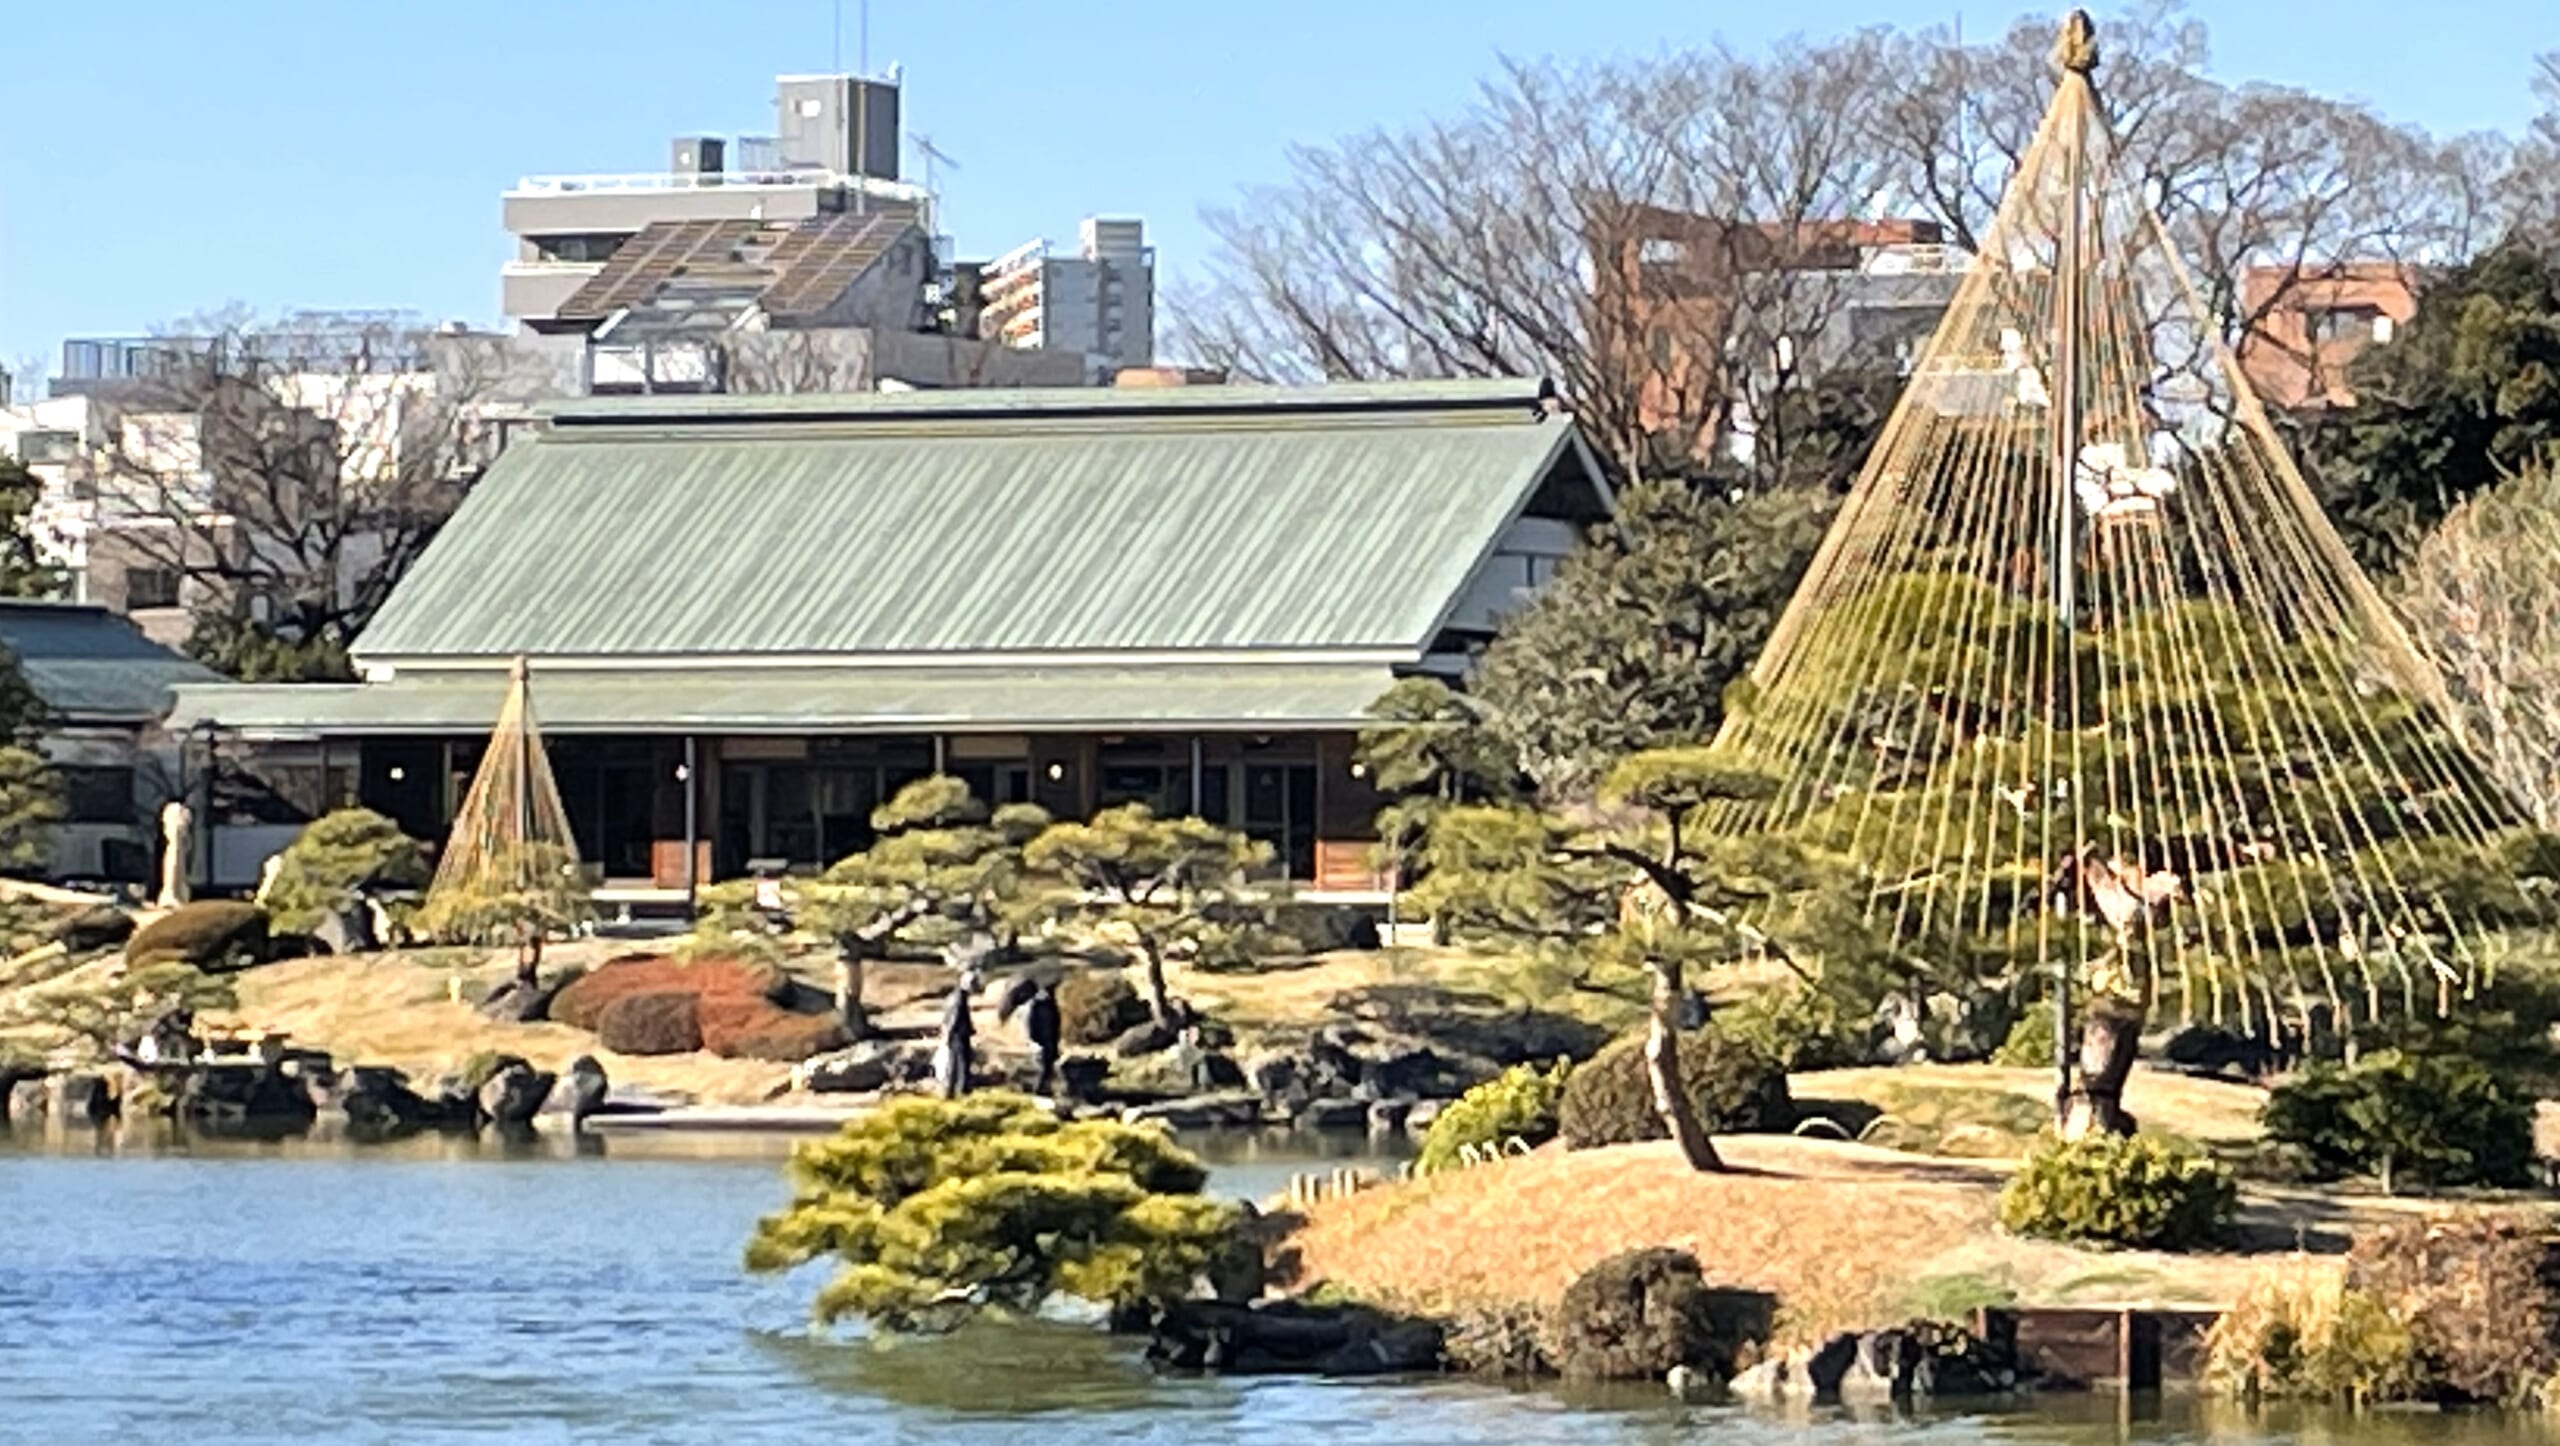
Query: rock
[866,1067]
[588,1088]
[1896,1036]
[1335,1115]
[1235,1109]
[509,1004]
[1214,1070]
[28,1100]
[346,931]
[1902,1363]
[2201,1049]
[100,927]
[1080,1076]
[237,1095]
[1289,1337]
[1278,1075]
[1686,1383]
[1142,1039]
[376,1102]
[80,1098]
[1388,1116]
[514,1095]
[1418,1120]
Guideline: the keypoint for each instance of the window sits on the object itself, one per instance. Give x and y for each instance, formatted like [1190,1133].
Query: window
[150,587]
[36,448]
[98,795]
[595,246]
[2325,325]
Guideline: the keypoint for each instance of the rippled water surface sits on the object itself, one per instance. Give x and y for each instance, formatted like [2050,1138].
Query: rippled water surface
[443,1291]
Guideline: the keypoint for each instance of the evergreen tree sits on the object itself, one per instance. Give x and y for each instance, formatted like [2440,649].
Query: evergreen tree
[1638,879]
[24,572]
[941,869]
[1157,879]
[1635,641]
[2467,393]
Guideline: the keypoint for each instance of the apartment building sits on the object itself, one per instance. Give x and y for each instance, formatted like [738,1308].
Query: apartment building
[1099,302]
[833,153]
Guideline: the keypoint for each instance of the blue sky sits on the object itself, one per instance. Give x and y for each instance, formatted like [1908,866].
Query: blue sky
[171,157]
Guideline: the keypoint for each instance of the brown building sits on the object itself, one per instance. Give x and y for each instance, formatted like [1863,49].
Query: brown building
[1668,285]
[2308,324]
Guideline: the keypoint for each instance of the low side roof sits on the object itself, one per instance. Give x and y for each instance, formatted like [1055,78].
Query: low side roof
[89,665]
[939,527]
[809,700]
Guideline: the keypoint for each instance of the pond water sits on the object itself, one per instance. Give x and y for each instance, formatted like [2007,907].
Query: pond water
[457,1290]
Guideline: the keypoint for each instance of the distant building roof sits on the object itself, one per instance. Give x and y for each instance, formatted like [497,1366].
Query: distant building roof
[1192,524]
[90,665]
[792,270]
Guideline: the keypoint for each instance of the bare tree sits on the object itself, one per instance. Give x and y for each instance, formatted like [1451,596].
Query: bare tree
[1653,233]
[2484,604]
[289,473]
[1634,230]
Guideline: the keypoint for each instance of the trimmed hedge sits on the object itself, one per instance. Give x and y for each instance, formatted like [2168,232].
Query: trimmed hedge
[1518,1103]
[1097,1007]
[215,935]
[651,1024]
[2135,1191]
[1733,1087]
[736,1027]
[583,1003]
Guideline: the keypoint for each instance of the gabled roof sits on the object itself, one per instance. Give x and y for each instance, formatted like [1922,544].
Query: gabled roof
[89,665]
[1194,523]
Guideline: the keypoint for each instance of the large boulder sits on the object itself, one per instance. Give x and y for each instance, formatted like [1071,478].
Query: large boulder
[867,1067]
[215,935]
[346,930]
[511,1004]
[1636,1315]
[29,1099]
[80,1098]
[1237,1110]
[647,1024]
[377,1102]
[249,1097]
[1291,1338]
[101,926]
[588,1089]
[514,1095]
[1921,1361]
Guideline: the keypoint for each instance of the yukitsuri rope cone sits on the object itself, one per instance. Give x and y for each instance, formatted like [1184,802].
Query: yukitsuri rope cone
[510,866]
[2086,679]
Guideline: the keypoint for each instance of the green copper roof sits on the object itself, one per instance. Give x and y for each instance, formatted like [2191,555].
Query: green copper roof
[798,700]
[1210,520]
[89,665]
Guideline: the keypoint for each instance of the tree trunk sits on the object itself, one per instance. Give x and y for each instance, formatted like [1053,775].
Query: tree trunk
[857,1023]
[1662,1067]
[1159,998]
[528,958]
[2110,1038]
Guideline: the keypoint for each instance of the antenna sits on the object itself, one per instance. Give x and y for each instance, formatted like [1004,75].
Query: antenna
[932,154]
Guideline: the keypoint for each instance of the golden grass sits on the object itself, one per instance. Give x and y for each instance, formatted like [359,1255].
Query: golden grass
[392,1009]
[1844,1235]
[2206,1111]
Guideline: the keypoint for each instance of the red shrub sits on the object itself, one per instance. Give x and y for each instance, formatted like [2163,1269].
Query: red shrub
[583,1003]
[651,1024]
[754,1029]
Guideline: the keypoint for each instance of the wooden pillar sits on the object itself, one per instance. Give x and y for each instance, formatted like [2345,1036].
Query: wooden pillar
[692,824]
[1197,784]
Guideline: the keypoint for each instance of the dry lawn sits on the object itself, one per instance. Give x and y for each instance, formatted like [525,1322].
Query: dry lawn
[2205,1111]
[1842,1234]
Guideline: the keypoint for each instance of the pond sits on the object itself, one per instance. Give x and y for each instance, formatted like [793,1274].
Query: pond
[452,1290]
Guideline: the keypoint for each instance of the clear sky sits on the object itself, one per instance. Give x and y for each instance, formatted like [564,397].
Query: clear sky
[170,156]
